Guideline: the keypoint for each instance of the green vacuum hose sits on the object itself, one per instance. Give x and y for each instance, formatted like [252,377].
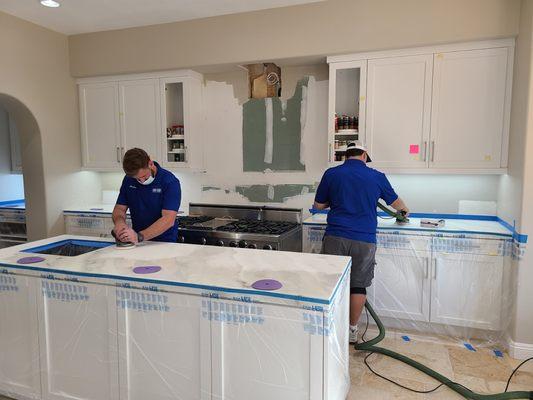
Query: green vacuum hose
[463,391]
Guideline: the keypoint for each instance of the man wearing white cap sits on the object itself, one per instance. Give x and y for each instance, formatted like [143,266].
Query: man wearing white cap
[351,191]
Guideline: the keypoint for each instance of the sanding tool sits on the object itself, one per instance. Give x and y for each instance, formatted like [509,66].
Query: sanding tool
[401,216]
[122,245]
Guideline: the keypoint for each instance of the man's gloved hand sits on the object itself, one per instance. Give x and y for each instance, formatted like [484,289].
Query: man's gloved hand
[128,235]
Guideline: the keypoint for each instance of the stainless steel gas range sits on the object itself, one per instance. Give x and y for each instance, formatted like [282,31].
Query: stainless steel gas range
[268,228]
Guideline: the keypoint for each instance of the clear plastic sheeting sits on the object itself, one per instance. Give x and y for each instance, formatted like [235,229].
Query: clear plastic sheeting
[444,287]
[12,227]
[94,338]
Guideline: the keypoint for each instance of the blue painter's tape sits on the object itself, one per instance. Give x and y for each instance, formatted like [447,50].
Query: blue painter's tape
[406,338]
[469,347]
[88,243]
[315,211]
[12,202]
[498,353]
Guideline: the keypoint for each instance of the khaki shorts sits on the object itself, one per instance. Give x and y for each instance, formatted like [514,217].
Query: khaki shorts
[363,258]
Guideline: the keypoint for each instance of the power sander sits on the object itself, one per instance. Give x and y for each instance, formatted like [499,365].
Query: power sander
[401,216]
[122,245]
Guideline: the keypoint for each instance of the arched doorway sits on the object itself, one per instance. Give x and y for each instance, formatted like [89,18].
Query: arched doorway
[32,165]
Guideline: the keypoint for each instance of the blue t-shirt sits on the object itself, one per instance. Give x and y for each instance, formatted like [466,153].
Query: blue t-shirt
[352,190]
[146,202]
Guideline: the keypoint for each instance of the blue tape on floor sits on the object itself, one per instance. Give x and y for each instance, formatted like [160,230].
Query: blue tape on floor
[498,353]
[469,347]
[406,338]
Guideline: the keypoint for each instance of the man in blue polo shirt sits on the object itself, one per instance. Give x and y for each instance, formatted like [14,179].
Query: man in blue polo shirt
[351,191]
[153,196]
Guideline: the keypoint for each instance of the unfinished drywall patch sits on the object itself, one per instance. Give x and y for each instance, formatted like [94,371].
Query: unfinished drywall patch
[273,132]
[274,193]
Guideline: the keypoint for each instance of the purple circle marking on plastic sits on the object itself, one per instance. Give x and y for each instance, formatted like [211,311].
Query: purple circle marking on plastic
[147,269]
[267,284]
[30,260]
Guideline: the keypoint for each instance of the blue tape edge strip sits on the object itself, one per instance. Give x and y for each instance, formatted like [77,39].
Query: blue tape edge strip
[181,284]
[520,238]
[68,241]
[11,202]
[498,353]
[406,338]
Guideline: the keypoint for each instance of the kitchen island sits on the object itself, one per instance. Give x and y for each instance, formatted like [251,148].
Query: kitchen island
[100,326]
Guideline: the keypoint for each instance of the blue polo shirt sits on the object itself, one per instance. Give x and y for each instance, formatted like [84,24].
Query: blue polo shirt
[146,202]
[352,190]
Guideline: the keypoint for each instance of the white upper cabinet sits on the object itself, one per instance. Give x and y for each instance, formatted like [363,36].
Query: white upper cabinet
[139,115]
[398,110]
[468,109]
[436,109]
[346,117]
[100,127]
[121,112]
[16,152]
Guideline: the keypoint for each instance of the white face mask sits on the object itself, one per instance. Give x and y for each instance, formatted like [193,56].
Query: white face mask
[148,181]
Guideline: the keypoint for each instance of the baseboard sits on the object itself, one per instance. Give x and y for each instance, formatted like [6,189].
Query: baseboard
[520,351]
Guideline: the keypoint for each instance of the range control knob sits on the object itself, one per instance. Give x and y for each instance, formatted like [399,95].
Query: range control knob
[181,239]
[220,243]
[252,246]
[203,240]
[232,244]
[267,247]
[243,244]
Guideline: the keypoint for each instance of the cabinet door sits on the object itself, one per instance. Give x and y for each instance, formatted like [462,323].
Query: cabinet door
[468,108]
[398,110]
[400,288]
[266,352]
[140,118]
[100,128]
[466,290]
[164,346]
[19,341]
[78,343]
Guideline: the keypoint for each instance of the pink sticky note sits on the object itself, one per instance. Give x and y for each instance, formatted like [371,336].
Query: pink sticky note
[414,149]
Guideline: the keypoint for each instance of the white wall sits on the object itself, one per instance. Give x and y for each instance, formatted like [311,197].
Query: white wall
[11,185]
[224,95]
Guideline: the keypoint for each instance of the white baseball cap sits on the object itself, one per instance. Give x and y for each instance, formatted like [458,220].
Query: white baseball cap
[354,145]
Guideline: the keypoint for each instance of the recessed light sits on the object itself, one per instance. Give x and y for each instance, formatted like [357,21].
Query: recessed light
[50,3]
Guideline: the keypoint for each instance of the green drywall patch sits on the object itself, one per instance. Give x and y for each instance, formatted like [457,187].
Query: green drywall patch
[284,153]
[274,193]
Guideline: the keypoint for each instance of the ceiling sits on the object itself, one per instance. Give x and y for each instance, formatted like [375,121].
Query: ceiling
[81,16]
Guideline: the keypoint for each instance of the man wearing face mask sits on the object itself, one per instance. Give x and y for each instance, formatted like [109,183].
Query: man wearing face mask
[153,196]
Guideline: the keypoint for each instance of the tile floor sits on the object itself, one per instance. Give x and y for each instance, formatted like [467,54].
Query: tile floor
[480,371]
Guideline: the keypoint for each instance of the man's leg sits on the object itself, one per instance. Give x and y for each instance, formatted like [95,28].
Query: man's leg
[357,302]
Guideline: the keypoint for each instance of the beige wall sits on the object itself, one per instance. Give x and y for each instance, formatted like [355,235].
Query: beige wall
[522,149]
[36,88]
[330,27]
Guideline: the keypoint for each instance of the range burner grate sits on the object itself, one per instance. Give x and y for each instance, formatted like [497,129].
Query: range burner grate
[258,227]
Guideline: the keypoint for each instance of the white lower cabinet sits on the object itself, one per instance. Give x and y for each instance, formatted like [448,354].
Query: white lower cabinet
[466,290]
[401,286]
[251,362]
[19,341]
[77,340]
[164,346]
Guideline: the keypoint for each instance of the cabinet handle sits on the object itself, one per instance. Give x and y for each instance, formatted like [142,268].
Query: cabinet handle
[118,154]
[426,267]
[425,150]
[435,270]
[432,150]
[122,152]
